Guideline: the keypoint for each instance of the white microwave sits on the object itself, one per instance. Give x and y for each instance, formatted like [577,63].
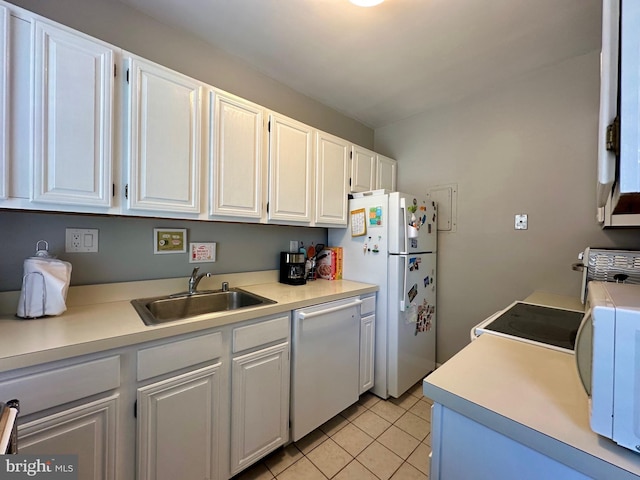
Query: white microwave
[607,355]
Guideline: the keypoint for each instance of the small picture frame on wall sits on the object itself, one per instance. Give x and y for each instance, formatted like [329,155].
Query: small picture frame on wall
[169,240]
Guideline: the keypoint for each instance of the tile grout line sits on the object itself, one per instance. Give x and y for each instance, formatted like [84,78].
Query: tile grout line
[348,421]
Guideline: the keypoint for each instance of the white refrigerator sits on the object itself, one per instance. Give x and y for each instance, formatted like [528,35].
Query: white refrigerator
[391,240]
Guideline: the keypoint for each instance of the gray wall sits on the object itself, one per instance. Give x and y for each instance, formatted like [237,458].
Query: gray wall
[126,251]
[126,246]
[527,147]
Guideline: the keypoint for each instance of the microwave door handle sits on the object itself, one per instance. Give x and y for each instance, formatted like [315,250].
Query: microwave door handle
[583,373]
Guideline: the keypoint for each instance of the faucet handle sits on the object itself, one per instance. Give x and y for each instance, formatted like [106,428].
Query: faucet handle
[195,271]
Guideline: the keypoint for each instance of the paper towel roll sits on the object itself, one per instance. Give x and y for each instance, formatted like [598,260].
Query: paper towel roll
[44,287]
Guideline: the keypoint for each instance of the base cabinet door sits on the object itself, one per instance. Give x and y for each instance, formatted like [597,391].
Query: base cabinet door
[88,431]
[260,404]
[178,427]
[367,351]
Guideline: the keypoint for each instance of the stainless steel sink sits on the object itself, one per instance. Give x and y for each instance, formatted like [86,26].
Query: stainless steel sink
[157,310]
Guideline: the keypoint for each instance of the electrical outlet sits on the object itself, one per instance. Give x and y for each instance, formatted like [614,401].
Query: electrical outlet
[521,221]
[82,240]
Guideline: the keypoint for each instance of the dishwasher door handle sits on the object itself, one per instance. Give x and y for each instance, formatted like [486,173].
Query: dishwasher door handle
[304,315]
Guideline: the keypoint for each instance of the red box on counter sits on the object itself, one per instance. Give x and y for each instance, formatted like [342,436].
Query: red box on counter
[329,264]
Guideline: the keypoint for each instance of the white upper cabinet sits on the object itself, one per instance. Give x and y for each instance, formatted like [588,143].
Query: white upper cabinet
[237,157]
[73,117]
[4,102]
[290,170]
[386,173]
[163,133]
[363,169]
[332,180]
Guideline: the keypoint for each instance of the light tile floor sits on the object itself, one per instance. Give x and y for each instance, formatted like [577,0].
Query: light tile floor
[373,439]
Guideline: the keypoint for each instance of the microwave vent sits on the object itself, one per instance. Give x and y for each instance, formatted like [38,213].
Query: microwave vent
[622,266]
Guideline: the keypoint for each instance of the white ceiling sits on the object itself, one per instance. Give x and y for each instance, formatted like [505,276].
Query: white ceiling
[381,64]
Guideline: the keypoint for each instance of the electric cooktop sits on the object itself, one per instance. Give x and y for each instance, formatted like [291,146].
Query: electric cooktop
[546,326]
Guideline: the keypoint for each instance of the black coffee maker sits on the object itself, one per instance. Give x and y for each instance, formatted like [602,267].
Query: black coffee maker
[292,268]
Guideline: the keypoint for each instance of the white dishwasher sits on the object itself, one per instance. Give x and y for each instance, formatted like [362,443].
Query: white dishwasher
[325,369]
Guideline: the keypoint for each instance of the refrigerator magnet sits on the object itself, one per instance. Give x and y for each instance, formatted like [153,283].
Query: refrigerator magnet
[358,223]
[413,292]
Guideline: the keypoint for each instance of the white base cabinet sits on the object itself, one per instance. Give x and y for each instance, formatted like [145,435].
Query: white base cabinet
[260,404]
[88,431]
[259,390]
[462,448]
[203,405]
[178,425]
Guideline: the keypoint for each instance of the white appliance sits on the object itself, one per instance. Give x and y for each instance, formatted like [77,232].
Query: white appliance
[391,241]
[550,327]
[608,359]
[325,363]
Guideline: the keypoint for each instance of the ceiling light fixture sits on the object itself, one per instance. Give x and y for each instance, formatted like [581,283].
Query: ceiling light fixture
[366,3]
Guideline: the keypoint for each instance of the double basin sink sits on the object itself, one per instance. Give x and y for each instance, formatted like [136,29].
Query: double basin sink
[169,308]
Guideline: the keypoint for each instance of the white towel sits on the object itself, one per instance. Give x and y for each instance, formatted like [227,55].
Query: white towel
[44,287]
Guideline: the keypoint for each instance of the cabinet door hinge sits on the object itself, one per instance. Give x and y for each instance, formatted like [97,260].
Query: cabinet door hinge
[135,409]
[269,126]
[127,75]
[113,189]
[351,155]
[126,191]
[115,70]
[267,207]
[613,136]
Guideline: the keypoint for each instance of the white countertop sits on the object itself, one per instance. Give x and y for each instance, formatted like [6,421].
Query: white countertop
[100,317]
[533,395]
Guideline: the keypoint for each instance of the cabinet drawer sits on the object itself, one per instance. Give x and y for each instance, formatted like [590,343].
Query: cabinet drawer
[56,387]
[154,361]
[368,305]
[261,333]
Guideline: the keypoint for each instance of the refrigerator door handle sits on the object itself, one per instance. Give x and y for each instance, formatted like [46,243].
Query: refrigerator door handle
[404,282]
[403,227]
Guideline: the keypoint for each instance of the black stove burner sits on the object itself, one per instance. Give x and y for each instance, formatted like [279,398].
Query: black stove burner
[551,326]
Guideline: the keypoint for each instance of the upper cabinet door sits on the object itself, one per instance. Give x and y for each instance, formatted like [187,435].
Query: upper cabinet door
[386,173]
[164,136]
[290,169]
[237,157]
[363,169]
[332,179]
[4,99]
[73,99]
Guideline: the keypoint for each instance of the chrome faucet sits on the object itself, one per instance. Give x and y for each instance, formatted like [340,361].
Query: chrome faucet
[194,280]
